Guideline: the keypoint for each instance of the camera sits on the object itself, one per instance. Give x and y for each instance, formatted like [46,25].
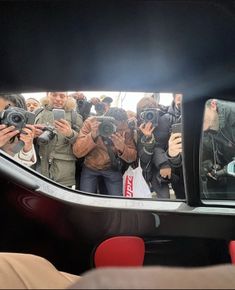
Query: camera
[18,117]
[107,126]
[216,171]
[48,134]
[150,115]
[132,124]
[100,108]
[228,170]
[80,103]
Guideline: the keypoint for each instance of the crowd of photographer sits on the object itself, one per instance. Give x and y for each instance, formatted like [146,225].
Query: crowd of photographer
[75,146]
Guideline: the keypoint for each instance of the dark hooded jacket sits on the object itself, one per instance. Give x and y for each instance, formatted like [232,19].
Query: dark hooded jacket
[218,149]
[174,117]
[219,146]
[152,153]
[174,114]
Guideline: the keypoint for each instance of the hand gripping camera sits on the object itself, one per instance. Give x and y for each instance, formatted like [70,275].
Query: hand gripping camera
[150,115]
[18,117]
[209,169]
[228,170]
[107,126]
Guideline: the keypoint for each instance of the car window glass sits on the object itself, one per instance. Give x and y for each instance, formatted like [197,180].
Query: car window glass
[132,131]
[217,158]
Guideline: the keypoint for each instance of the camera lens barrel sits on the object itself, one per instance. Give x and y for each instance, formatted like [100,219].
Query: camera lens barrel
[150,115]
[14,116]
[46,136]
[107,126]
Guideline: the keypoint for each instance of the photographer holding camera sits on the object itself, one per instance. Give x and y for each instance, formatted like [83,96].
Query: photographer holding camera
[102,104]
[106,143]
[84,109]
[152,145]
[218,147]
[56,137]
[175,140]
[83,105]
[16,129]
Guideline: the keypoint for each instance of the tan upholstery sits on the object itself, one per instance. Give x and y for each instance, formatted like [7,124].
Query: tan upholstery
[216,277]
[23,271]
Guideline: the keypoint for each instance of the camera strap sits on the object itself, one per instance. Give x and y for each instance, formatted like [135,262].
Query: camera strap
[17,147]
[115,161]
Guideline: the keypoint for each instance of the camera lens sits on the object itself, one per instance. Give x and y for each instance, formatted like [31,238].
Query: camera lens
[149,116]
[43,140]
[16,119]
[106,129]
[46,136]
[80,102]
[100,108]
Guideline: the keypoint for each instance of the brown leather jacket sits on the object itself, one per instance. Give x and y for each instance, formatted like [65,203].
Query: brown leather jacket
[96,153]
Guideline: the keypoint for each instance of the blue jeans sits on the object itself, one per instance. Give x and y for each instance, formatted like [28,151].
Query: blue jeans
[112,179]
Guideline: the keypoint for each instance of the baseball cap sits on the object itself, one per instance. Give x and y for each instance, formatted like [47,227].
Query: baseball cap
[106,99]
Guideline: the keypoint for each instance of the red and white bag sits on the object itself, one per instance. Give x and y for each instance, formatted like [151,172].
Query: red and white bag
[134,184]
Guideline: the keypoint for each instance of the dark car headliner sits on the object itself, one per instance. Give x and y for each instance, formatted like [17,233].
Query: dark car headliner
[186,46]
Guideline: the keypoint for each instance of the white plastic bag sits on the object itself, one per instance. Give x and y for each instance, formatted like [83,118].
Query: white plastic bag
[134,184]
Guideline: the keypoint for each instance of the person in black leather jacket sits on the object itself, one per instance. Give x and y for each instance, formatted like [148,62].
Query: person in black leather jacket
[218,148]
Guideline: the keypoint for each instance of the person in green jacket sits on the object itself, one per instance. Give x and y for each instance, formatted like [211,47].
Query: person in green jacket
[55,138]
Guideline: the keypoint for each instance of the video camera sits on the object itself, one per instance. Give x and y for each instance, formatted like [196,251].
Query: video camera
[18,117]
[48,134]
[107,126]
[150,115]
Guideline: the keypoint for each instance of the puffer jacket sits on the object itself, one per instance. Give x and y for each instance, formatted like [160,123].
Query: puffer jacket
[57,158]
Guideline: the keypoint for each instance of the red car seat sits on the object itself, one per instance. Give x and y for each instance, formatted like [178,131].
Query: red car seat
[232,251]
[120,251]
